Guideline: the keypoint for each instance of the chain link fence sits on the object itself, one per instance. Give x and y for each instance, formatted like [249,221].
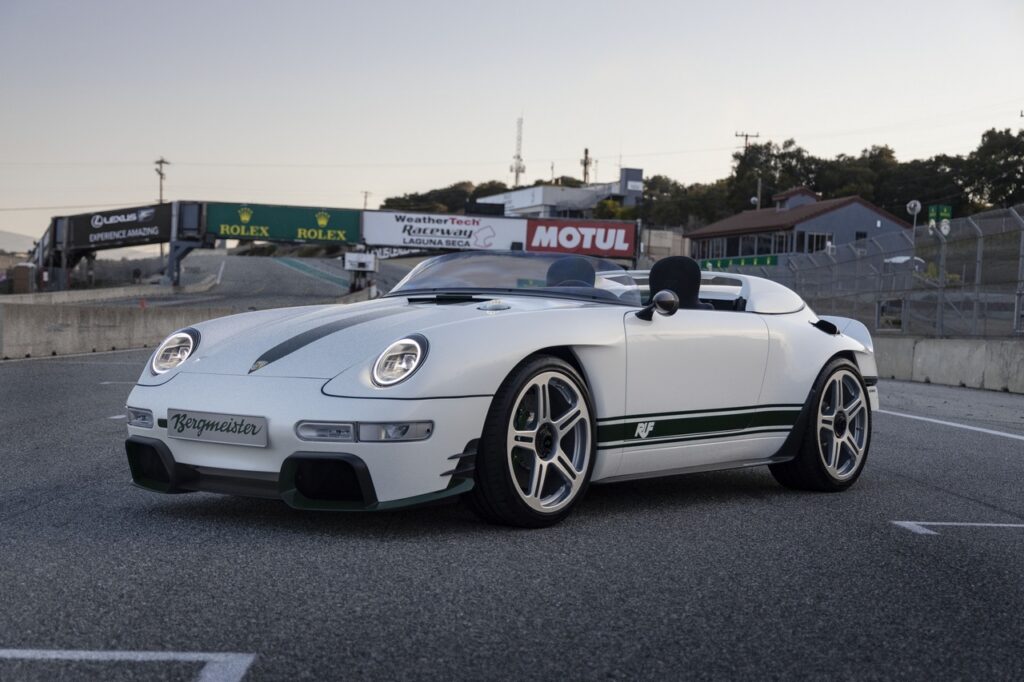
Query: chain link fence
[968,281]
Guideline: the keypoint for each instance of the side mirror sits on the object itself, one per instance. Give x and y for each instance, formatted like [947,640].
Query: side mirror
[665,302]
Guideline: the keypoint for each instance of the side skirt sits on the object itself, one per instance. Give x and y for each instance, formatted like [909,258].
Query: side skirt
[696,469]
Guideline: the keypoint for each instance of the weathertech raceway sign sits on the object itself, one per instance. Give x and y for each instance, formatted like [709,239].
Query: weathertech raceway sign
[439,231]
[613,239]
[586,237]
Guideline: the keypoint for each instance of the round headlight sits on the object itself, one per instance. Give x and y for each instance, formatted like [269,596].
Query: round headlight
[399,360]
[174,350]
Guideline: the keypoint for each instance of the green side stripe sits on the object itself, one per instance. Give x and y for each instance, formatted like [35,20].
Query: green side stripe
[746,408]
[701,436]
[685,426]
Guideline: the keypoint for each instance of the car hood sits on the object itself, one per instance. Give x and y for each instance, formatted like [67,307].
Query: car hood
[323,341]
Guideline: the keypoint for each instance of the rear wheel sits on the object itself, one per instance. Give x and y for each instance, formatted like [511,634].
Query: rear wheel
[838,435]
[537,450]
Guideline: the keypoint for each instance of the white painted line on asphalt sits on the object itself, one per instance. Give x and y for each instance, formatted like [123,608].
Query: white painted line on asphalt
[1015,436]
[220,667]
[108,383]
[118,416]
[920,528]
[220,273]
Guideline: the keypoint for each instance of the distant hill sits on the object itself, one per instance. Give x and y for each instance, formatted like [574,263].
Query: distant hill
[13,242]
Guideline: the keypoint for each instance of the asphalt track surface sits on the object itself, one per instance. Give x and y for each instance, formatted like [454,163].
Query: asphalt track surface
[717,575]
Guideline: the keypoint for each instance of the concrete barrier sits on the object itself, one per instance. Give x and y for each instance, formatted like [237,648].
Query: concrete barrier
[993,364]
[59,329]
[35,330]
[110,294]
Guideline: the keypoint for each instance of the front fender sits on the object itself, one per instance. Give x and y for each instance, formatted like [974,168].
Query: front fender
[473,356]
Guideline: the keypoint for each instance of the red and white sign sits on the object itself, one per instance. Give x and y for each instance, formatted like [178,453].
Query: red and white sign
[586,237]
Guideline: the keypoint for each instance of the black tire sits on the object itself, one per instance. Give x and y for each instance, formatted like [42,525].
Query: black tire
[809,470]
[499,494]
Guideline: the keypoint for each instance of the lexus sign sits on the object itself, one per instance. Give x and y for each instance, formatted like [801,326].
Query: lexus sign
[123,227]
[611,239]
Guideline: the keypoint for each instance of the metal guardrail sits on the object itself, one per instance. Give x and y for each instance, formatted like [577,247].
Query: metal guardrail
[968,281]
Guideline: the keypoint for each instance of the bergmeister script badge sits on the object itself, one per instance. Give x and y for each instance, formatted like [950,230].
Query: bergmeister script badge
[209,427]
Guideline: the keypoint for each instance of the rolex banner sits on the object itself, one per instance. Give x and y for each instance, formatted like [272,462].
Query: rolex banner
[282,223]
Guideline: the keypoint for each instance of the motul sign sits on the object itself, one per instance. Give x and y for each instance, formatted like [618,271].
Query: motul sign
[587,237]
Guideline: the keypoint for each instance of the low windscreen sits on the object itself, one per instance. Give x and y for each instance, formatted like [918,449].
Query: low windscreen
[565,276]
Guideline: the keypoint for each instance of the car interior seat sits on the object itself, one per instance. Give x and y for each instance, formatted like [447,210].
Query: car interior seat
[571,271]
[681,275]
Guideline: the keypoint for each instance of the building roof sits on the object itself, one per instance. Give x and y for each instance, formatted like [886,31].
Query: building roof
[774,219]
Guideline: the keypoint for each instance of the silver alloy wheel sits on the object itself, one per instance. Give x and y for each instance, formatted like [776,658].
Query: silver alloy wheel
[549,439]
[842,424]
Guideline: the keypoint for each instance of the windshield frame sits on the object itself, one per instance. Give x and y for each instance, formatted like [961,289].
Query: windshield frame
[563,293]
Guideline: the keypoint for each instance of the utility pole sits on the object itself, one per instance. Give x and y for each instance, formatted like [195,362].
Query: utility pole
[160,163]
[552,171]
[746,138]
[586,162]
[366,197]
[518,167]
[746,143]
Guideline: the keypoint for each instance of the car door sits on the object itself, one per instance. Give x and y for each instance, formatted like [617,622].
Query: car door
[693,380]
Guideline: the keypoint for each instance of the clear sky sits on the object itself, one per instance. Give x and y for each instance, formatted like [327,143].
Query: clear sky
[313,102]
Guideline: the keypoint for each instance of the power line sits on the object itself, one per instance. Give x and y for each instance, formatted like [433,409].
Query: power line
[57,208]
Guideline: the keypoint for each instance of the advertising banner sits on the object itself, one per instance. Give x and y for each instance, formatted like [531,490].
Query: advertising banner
[610,239]
[282,223]
[121,227]
[438,231]
[360,262]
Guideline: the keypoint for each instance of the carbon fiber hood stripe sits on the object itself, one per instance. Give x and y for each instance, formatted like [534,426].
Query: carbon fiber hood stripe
[307,337]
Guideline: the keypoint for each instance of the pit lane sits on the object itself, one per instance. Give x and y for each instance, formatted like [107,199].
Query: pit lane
[709,575]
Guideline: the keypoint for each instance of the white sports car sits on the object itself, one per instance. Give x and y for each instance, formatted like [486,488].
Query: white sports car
[513,379]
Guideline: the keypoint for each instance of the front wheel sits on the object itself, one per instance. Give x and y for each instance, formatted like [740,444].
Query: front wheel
[835,445]
[537,450]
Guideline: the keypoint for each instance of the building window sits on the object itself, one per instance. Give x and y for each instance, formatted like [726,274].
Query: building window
[764,244]
[780,242]
[732,247]
[748,245]
[718,248]
[818,241]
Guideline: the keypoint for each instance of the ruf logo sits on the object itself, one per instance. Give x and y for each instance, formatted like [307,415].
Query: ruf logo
[644,429]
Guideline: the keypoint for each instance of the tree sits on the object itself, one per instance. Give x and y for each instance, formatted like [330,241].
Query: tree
[663,202]
[450,199]
[489,188]
[563,180]
[996,168]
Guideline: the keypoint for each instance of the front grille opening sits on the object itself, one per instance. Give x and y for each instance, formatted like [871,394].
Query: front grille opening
[147,468]
[327,479]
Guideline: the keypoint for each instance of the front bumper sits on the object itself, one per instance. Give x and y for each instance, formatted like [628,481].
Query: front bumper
[387,474]
[321,481]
